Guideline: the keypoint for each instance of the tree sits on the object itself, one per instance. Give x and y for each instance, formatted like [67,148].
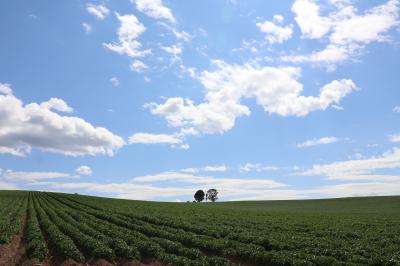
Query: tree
[212,194]
[199,195]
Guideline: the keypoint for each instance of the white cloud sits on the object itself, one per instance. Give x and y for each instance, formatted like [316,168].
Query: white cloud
[311,24]
[83,170]
[146,138]
[360,169]
[115,81]
[275,89]
[138,66]
[140,187]
[396,109]
[352,28]
[57,105]
[154,9]
[248,167]
[275,33]
[99,11]
[215,168]
[128,32]
[349,32]
[146,79]
[208,168]
[338,107]
[174,50]
[38,126]
[180,35]
[31,176]
[87,27]
[394,138]
[221,183]
[5,89]
[315,142]
[278,18]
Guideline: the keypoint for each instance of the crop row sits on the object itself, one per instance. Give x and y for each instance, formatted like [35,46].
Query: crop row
[36,246]
[12,219]
[62,244]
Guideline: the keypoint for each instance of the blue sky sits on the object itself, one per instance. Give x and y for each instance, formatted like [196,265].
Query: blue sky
[152,99]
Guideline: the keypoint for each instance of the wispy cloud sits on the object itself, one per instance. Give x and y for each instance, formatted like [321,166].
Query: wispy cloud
[394,138]
[208,168]
[87,27]
[315,142]
[248,167]
[360,169]
[147,138]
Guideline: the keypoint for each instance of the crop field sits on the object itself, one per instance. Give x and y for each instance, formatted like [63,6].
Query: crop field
[39,228]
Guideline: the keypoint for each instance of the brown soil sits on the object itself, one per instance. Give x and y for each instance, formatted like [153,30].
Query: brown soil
[13,253]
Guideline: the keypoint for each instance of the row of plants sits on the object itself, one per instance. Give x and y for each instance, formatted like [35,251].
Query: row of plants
[12,219]
[61,244]
[36,246]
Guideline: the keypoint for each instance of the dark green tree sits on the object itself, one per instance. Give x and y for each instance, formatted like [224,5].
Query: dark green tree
[212,194]
[199,195]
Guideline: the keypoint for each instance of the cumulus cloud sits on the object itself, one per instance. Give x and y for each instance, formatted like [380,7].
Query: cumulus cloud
[276,33]
[154,9]
[57,105]
[315,142]
[138,66]
[396,109]
[277,90]
[360,169]
[5,89]
[130,29]
[307,16]
[39,126]
[83,170]
[348,32]
[146,138]
[99,11]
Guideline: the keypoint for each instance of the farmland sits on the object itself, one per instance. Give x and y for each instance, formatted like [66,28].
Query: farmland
[55,228]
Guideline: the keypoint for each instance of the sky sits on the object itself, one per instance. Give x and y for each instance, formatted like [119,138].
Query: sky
[154,99]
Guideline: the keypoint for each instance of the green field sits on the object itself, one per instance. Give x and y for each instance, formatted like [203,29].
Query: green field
[54,227]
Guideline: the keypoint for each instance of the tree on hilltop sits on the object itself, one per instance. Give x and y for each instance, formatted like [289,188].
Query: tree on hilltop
[199,195]
[212,194]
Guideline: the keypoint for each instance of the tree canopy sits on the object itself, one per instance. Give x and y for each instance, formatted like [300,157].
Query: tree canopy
[199,195]
[212,194]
